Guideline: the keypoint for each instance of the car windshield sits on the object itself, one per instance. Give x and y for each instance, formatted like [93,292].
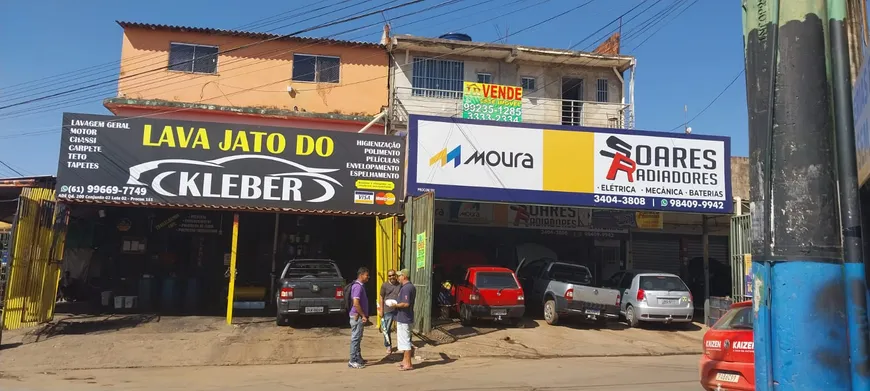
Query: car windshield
[736,319]
[311,269]
[662,283]
[574,274]
[495,280]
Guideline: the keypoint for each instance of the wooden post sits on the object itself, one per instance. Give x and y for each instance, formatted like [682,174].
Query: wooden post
[232,285]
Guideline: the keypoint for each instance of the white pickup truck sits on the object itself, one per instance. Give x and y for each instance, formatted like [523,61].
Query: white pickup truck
[564,289]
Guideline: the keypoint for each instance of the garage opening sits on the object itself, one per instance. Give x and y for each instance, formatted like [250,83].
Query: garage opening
[176,261]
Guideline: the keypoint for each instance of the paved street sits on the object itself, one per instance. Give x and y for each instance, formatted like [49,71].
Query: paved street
[673,373]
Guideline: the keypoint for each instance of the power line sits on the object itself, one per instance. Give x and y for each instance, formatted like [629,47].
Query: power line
[711,102]
[345,20]
[10,168]
[663,25]
[28,86]
[161,82]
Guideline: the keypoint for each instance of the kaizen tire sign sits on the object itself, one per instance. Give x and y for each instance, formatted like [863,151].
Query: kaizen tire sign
[170,162]
[571,166]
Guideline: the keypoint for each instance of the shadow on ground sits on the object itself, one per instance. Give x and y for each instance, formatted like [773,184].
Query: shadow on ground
[90,324]
[450,331]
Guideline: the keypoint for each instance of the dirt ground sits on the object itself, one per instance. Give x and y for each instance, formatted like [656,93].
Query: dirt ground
[677,373]
[147,341]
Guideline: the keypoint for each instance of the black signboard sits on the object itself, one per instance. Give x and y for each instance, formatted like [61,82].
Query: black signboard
[170,162]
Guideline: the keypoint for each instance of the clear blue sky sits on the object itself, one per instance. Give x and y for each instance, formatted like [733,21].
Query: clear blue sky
[688,61]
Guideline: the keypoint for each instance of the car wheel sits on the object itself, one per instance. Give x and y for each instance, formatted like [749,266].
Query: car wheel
[550,314]
[631,317]
[465,315]
[282,320]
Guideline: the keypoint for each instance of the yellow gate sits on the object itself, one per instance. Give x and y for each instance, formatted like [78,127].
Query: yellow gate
[387,237]
[36,251]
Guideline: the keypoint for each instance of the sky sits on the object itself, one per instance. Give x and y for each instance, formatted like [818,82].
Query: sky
[684,60]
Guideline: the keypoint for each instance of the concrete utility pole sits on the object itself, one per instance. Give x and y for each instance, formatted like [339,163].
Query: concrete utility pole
[801,338]
[850,201]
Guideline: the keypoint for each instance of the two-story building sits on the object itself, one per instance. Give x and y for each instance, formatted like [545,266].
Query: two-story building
[231,152]
[254,78]
[560,87]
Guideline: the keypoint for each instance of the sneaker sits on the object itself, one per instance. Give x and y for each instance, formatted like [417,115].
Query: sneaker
[355,365]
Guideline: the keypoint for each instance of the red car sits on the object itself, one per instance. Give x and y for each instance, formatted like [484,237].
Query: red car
[489,292]
[728,362]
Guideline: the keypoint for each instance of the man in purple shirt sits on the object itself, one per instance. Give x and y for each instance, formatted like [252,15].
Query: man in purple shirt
[359,316]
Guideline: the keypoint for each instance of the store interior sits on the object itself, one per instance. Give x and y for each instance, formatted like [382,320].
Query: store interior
[174,261]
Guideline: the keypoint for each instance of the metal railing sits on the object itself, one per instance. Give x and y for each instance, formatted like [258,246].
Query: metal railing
[409,100]
[740,246]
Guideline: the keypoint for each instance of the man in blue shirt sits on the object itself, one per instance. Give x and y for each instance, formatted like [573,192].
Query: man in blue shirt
[359,316]
[405,318]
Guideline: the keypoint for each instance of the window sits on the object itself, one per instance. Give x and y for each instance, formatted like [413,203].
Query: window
[574,274]
[437,78]
[626,281]
[316,69]
[529,83]
[531,269]
[495,280]
[485,78]
[310,269]
[603,95]
[739,318]
[662,283]
[185,57]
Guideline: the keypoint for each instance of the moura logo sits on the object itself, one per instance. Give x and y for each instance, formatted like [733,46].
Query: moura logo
[620,152]
[483,158]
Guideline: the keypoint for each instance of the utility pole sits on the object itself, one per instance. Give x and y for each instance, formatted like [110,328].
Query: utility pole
[801,340]
[855,293]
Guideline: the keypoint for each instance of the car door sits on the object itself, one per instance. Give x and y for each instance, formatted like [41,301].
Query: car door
[528,274]
[625,288]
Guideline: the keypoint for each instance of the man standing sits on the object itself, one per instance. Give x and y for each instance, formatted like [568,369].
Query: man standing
[358,317]
[405,318]
[389,291]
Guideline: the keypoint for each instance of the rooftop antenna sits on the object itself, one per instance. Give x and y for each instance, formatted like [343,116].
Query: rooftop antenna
[686,127]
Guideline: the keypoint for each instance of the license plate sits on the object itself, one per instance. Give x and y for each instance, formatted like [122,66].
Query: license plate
[313,310]
[728,377]
[499,312]
[593,312]
[669,301]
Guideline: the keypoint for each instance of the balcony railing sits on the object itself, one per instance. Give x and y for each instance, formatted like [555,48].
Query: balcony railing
[443,103]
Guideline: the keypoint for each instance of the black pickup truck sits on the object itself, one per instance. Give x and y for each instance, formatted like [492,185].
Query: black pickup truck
[310,287]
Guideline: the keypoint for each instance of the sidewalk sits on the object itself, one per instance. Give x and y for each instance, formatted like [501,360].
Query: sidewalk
[138,341]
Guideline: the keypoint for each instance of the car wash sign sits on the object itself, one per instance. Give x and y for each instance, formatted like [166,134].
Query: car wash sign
[569,166]
[170,162]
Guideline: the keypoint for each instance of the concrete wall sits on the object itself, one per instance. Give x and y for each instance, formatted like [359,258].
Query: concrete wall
[740,177]
[541,106]
[257,76]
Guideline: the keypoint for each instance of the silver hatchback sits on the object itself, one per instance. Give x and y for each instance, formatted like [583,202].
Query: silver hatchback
[653,297]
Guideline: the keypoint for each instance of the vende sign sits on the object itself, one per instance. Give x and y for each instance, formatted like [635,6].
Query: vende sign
[571,166]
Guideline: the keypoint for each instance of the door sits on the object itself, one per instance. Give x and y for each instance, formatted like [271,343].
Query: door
[529,274]
[665,292]
[572,101]
[387,248]
[417,255]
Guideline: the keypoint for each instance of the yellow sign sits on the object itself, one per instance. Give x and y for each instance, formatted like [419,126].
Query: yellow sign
[366,184]
[492,102]
[421,250]
[649,220]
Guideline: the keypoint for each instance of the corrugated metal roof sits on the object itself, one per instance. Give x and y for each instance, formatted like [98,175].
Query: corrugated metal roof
[229,209]
[246,34]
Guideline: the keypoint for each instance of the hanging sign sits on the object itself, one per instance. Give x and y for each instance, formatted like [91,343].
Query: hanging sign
[649,220]
[421,250]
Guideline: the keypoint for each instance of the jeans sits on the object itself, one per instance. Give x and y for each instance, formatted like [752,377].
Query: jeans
[356,335]
[386,327]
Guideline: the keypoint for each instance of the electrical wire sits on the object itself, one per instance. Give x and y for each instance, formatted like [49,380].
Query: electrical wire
[711,102]
[468,50]
[29,86]
[663,25]
[96,84]
[10,168]
[132,89]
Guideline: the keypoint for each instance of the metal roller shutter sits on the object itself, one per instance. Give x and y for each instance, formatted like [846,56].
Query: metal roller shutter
[718,248]
[659,252]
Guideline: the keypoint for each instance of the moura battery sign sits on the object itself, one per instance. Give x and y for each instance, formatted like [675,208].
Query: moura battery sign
[150,161]
[610,168]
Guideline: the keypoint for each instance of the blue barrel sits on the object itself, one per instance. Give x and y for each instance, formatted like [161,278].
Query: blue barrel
[146,289]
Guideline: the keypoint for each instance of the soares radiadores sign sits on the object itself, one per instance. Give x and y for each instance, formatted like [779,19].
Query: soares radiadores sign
[557,165]
[160,161]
